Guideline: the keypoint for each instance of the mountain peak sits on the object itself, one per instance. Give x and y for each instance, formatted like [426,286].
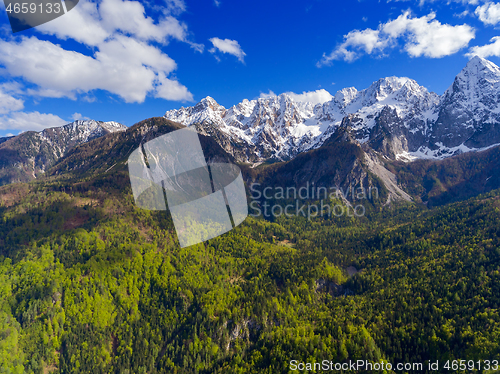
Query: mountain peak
[392,110]
[389,84]
[477,79]
[481,63]
[381,89]
[346,95]
[84,129]
[479,68]
[208,102]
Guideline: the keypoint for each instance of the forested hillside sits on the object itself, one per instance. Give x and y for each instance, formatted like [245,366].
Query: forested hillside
[92,284]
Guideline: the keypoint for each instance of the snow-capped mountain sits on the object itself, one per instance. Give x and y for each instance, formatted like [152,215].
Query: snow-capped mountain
[395,116]
[25,156]
[255,130]
[468,116]
[65,137]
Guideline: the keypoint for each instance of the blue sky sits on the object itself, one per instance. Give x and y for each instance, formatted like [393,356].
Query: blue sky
[127,60]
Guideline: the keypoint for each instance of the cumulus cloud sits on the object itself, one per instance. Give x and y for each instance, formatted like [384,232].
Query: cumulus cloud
[357,41]
[11,116]
[421,3]
[171,89]
[175,7]
[124,66]
[229,46]
[129,17]
[78,116]
[314,97]
[428,37]
[91,23]
[462,14]
[268,95]
[423,36]
[35,121]
[485,51]
[9,103]
[488,13]
[82,24]
[123,61]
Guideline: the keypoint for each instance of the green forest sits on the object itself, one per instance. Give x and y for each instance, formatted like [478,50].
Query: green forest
[89,283]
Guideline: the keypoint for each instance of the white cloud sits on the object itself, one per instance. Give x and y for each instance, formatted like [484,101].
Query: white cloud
[429,37]
[424,36]
[489,13]
[492,49]
[268,95]
[124,66]
[30,121]
[11,116]
[172,90]
[421,3]
[129,17]
[367,40]
[123,61]
[89,98]
[9,103]
[315,97]
[82,24]
[462,14]
[175,7]
[229,46]
[217,3]
[44,92]
[12,87]
[91,24]
[78,116]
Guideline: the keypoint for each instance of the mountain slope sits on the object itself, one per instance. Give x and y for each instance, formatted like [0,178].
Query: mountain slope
[469,112]
[28,155]
[111,152]
[340,167]
[341,164]
[439,182]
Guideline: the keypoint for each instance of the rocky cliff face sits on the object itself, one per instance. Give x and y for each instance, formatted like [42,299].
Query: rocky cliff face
[351,171]
[469,111]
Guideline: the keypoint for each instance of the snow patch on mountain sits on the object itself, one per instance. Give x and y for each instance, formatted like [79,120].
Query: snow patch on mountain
[81,131]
